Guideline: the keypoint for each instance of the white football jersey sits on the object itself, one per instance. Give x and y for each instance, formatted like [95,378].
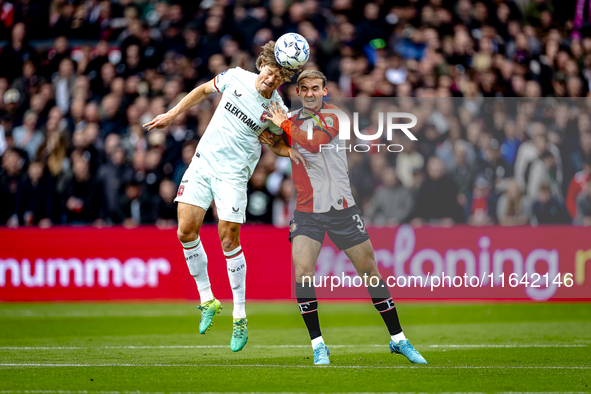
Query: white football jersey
[230,148]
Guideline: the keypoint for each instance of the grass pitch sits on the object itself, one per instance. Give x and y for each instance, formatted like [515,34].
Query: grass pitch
[69,348]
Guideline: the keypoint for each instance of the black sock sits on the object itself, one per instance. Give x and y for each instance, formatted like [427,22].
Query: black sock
[306,295]
[383,302]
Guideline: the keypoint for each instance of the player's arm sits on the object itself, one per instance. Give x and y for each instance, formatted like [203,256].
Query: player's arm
[278,146]
[321,135]
[193,98]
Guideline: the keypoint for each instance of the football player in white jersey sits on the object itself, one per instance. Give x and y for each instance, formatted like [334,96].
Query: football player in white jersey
[221,167]
[325,205]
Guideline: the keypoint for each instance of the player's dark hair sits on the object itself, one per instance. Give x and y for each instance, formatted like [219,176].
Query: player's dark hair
[313,74]
[267,58]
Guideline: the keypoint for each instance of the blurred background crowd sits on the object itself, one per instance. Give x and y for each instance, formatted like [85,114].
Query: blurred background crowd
[78,78]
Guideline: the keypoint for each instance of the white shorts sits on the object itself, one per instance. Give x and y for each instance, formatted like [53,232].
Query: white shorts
[199,188]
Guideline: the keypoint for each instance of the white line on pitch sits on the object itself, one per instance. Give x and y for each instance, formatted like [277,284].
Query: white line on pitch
[283,366]
[253,392]
[478,346]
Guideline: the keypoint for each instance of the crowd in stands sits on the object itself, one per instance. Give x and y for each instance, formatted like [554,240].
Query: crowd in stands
[73,149]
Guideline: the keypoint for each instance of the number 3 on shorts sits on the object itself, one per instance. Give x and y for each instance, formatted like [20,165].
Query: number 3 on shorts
[361,225]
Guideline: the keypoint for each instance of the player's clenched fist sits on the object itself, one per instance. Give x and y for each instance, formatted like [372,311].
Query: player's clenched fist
[159,122]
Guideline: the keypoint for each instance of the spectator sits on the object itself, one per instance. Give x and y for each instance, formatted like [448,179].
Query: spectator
[135,206]
[579,183]
[492,166]
[63,84]
[82,194]
[15,53]
[544,171]
[513,207]
[27,137]
[10,181]
[437,199]
[186,156]
[463,175]
[406,162]
[482,206]
[580,149]
[511,143]
[35,197]
[166,208]
[259,207]
[529,152]
[392,203]
[110,116]
[547,209]
[113,175]
[283,204]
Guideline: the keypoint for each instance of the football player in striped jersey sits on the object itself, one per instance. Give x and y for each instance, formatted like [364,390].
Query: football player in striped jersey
[325,205]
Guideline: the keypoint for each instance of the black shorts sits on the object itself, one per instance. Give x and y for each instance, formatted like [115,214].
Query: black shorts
[345,227]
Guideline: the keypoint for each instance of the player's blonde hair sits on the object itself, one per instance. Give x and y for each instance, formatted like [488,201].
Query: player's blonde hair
[267,58]
[313,74]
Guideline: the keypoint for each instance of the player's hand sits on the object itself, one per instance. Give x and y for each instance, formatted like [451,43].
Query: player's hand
[296,156]
[266,137]
[160,122]
[278,115]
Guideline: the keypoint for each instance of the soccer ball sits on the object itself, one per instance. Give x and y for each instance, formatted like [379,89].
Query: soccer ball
[292,50]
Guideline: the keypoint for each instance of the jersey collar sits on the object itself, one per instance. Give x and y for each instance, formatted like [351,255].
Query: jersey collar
[301,116]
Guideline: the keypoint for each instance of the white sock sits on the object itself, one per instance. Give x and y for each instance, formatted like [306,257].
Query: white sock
[316,341]
[197,262]
[398,337]
[239,311]
[236,264]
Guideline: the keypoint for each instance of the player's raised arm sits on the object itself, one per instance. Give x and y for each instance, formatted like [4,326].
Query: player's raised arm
[193,98]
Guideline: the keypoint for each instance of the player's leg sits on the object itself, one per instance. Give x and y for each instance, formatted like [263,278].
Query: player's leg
[229,233]
[348,233]
[190,218]
[230,202]
[306,235]
[362,257]
[194,197]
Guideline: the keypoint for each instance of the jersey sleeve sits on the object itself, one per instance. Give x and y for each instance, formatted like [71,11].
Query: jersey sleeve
[223,79]
[321,135]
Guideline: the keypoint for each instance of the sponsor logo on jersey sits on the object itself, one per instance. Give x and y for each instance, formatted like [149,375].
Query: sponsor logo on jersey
[234,110]
[237,94]
[185,181]
[265,113]
[235,210]
[181,190]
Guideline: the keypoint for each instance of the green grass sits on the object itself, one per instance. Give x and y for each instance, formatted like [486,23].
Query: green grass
[156,348]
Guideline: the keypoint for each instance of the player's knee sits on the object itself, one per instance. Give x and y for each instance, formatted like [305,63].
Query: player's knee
[370,271]
[229,237]
[186,234]
[229,243]
[303,272]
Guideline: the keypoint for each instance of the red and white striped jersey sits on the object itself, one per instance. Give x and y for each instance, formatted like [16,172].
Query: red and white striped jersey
[326,183]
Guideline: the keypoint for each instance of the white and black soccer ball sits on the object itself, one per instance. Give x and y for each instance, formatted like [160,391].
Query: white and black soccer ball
[292,50]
